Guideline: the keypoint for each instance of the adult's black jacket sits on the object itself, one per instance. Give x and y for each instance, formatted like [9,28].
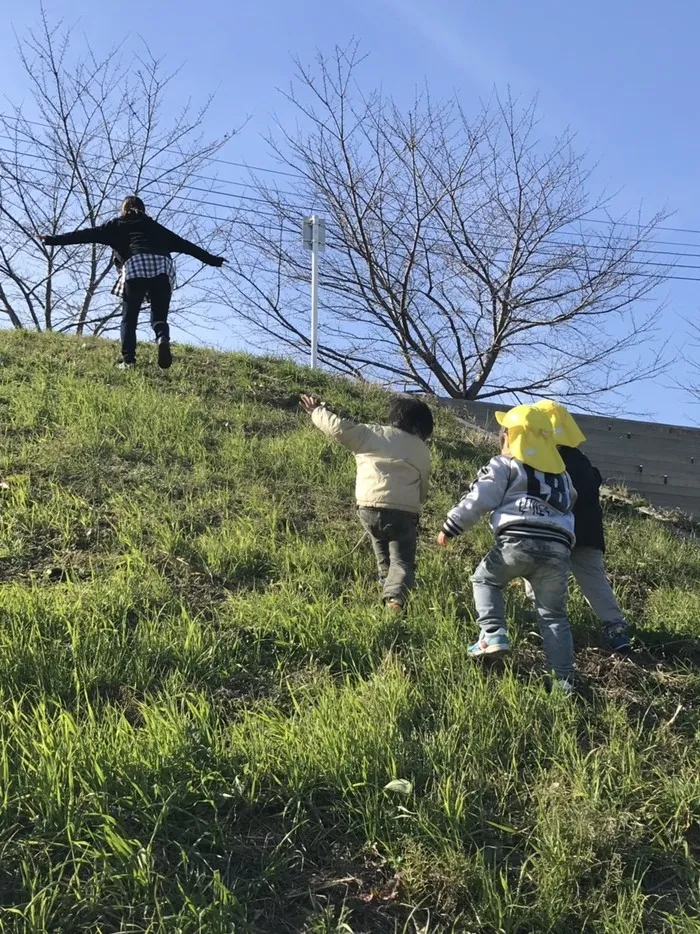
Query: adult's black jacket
[133,234]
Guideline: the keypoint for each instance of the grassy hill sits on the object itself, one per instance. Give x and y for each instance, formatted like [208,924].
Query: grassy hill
[202,703]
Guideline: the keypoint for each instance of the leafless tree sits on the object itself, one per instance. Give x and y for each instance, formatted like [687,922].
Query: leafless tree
[460,256]
[97,131]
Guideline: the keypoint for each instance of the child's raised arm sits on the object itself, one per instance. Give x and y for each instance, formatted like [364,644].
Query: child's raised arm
[343,430]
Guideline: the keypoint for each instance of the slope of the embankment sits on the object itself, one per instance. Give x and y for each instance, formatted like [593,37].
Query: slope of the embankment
[201,702]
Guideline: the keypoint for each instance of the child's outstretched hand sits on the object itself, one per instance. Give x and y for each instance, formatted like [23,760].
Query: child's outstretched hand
[309,403]
[442,539]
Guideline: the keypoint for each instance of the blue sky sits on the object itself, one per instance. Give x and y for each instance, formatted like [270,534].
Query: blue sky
[622,75]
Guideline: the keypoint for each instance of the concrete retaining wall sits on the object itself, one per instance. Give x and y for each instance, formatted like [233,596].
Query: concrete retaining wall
[660,462]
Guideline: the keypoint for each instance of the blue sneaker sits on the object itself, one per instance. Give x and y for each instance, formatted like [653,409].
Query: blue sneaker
[490,643]
[618,639]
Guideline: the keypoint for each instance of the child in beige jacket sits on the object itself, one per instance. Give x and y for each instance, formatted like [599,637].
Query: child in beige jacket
[393,471]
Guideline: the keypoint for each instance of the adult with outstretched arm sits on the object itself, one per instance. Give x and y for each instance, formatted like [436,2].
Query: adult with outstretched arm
[142,249]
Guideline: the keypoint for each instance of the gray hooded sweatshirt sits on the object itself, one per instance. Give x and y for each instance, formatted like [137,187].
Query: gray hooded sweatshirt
[523,502]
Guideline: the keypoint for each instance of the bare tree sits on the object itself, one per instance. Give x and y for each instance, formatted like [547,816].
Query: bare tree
[460,259]
[97,131]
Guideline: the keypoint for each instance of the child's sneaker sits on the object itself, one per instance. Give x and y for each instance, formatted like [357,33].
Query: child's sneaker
[618,639]
[395,606]
[490,643]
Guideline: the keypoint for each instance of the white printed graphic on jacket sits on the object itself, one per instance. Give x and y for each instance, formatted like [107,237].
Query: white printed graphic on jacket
[523,502]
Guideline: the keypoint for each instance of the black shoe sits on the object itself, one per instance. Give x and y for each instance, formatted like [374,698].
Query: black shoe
[165,356]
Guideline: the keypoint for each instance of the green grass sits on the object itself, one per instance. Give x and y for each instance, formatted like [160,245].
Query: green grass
[202,702]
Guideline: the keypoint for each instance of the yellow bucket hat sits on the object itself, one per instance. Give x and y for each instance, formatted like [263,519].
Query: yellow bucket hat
[566,431]
[531,438]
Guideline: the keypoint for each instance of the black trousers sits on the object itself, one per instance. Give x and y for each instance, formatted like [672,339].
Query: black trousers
[158,289]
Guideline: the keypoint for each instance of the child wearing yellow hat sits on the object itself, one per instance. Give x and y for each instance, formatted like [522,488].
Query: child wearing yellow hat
[588,555]
[530,498]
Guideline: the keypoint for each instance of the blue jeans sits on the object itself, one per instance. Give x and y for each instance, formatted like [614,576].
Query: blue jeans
[588,568]
[546,566]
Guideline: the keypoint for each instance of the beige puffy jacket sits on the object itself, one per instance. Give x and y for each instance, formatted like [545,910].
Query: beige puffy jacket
[393,466]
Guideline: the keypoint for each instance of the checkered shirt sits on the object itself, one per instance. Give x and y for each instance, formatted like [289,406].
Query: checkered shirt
[145,266]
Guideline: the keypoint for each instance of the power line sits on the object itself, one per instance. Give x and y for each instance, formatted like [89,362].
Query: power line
[550,247]
[304,210]
[184,186]
[197,175]
[282,173]
[241,165]
[275,217]
[600,220]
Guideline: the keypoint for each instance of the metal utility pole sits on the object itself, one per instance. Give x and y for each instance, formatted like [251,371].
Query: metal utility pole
[314,239]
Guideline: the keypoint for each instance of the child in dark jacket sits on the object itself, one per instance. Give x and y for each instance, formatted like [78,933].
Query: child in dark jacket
[530,497]
[588,555]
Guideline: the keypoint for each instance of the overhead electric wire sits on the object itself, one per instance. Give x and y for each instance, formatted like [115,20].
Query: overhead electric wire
[283,173]
[171,149]
[305,210]
[207,178]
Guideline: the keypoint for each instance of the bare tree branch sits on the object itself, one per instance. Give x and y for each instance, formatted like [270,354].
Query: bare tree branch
[97,132]
[460,259]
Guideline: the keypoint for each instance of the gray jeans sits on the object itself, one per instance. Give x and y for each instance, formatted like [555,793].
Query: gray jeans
[588,568]
[546,566]
[394,536]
